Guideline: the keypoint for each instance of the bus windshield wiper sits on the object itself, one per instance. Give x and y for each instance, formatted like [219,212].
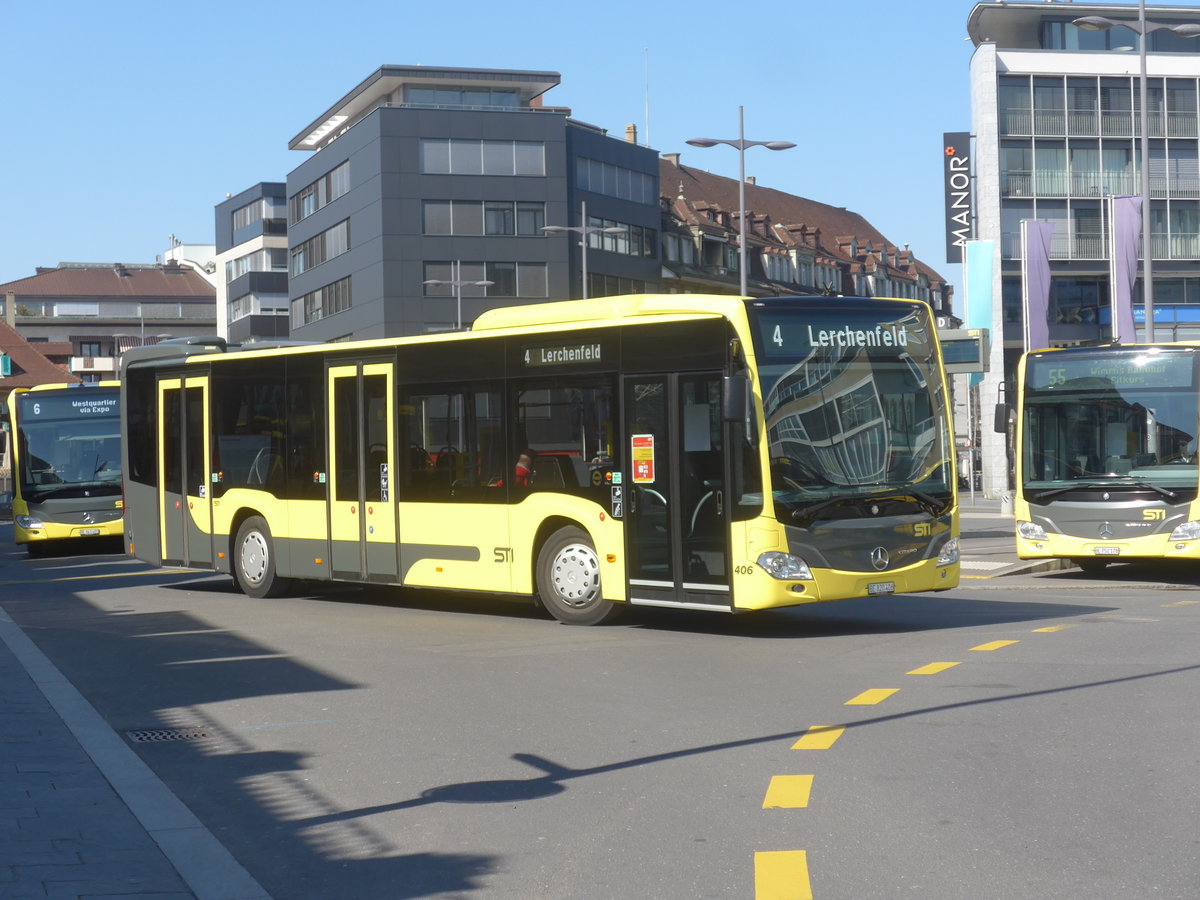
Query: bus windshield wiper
[927,502]
[1094,485]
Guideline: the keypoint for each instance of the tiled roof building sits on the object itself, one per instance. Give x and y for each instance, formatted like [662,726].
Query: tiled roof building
[794,244]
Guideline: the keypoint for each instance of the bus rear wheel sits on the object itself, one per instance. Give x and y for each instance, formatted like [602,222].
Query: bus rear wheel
[254,561]
[568,579]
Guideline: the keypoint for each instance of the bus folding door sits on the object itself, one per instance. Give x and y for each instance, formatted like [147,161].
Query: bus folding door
[362,458]
[676,510]
[185,514]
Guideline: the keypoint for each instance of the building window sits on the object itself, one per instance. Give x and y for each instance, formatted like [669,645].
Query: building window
[615,181]
[636,240]
[493,217]
[447,156]
[321,303]
[320,193]
[321,247]
[450,96]
[76,308]
[509,279]
[269,259]
[89,348]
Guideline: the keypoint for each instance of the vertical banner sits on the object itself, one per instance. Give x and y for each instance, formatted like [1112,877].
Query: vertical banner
[1035,281]
[977,278]
[1125,214]
[956,155]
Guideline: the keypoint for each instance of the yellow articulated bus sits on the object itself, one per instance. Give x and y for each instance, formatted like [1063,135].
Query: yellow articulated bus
[1106,466]
[692,451]
[66,463]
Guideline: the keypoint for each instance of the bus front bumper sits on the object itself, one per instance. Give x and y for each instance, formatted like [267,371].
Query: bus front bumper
[30,530]
[1065,546]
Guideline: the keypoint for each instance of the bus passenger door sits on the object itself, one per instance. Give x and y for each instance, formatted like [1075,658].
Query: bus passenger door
[362,458]
[676,506]
[185,514]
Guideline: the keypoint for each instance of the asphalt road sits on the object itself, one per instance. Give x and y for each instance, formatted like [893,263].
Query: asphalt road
[1014,738]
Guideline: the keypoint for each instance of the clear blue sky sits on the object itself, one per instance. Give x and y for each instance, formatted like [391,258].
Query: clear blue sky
[130,121]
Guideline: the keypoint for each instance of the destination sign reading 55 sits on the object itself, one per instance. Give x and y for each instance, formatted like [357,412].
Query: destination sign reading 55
[1137,369]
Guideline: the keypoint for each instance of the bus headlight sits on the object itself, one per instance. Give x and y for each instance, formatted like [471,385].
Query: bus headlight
[949,554]
[29,522]
[784,566]
[1031,531]
[1188,531]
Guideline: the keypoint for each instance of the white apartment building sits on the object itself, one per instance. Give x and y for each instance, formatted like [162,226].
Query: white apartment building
[1056,117]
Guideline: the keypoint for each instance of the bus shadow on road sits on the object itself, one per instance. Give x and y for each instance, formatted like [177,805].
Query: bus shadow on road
[874,615]
[1169,574]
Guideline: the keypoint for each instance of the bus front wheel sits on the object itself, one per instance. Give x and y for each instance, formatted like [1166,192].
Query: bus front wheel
[568,579]
[1091,565]
[254,561]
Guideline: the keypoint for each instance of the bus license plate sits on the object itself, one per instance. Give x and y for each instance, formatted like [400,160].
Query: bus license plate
[1107,551]
[88,532]
[881,587]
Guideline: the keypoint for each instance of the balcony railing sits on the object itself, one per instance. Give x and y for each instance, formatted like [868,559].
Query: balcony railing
[1089,246]
[1059,183]
[1015,122]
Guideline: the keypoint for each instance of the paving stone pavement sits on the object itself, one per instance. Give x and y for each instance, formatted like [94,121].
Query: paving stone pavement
[64,831]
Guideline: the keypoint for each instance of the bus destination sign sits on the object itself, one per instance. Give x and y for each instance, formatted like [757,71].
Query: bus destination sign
[63,406]
[559,354]
[1138,371]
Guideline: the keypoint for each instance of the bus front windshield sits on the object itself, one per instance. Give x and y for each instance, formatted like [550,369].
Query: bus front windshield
[1120,418]
[69,443]
[855,409]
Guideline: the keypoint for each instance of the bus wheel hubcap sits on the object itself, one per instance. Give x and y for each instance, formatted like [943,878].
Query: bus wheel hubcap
[254,557]
[576,575]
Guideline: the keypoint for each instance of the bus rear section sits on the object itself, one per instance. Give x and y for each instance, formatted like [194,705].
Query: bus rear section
[1106,463]
[66,464]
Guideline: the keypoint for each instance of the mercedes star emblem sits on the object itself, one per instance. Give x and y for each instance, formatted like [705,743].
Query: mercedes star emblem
[1105,530]
[879,558]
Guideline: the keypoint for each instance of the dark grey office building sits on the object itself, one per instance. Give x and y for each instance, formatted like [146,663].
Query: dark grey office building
[449,175]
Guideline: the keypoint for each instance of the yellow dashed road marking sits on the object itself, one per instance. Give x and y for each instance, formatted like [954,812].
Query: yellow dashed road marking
[819,737]
[781,875]
[788,792]
[1051,628]
[994,645]
[933,668]
[871,697]
[1180,603]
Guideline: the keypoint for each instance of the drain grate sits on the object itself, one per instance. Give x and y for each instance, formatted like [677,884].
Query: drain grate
[160,735]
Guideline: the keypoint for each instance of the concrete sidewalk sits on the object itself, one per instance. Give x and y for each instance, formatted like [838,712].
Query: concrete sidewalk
[987,542]
[81,816]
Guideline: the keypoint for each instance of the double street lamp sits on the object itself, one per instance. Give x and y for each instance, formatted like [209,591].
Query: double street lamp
[741,144]
[583,230]
[457,283]
[1143,29]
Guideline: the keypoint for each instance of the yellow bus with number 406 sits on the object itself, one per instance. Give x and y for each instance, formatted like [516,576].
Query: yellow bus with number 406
[687,451]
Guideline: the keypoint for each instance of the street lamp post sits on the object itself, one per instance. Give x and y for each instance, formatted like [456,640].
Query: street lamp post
[741,144]
[1143,30]
[583,229]
[457,283]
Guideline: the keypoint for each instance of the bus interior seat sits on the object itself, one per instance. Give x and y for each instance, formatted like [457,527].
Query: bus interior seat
[553,471]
